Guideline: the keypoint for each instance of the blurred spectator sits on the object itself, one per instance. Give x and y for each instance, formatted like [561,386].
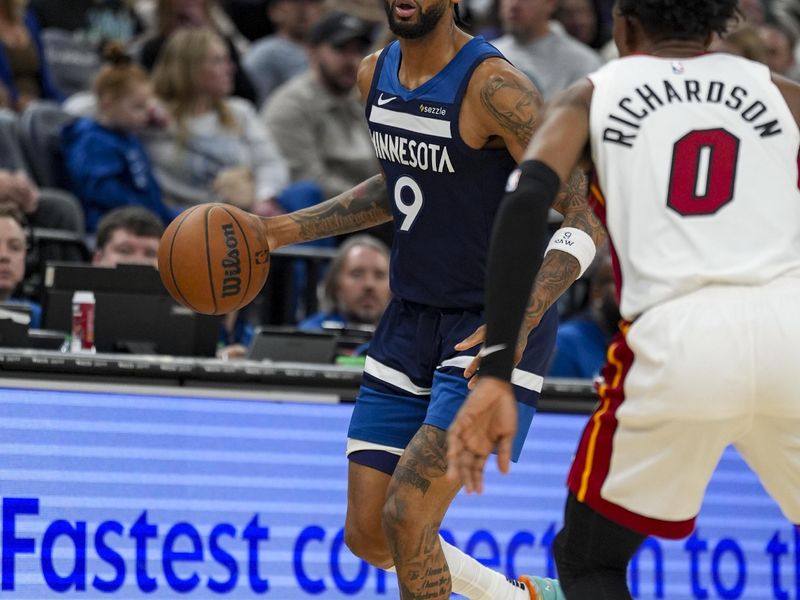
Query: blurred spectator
[779,43]
[480,17]
[753,11]
[355,291]
[581,342]
[788,13]
[743,41]
[250,17]
[277,58]
[128,235]
[582,20]
[13,252]
[216,148]
[317,119]
[173,15]
[75,32]
[551,58]
[43,208]
[18,189]
[106,162]
[371,11]
[24,73]
[96,22]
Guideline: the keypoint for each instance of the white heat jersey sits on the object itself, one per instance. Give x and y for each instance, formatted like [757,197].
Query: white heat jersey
[697,162]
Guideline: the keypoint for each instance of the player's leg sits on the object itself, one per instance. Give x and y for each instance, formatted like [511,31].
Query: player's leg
[367,483]
[380,428]
[771,446]
[418,496]
[772,449]
[649,450]
[592,554]
[390,409]
[416,501]
[366,495]
[470,578]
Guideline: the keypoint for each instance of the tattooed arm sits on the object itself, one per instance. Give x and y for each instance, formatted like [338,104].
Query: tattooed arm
[510,111]
[365,205]
[559,269]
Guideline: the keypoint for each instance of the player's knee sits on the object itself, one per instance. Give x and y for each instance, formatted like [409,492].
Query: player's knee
[369,546]
[399,522]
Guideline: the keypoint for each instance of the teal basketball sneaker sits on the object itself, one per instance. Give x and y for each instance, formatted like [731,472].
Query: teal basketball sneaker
[541,588]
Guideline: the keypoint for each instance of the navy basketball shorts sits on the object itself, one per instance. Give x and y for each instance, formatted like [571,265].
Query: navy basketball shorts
[414,376]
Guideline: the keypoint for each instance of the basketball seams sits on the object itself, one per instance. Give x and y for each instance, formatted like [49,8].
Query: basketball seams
[208,260]
[249,257]
[171,248]
[181,255]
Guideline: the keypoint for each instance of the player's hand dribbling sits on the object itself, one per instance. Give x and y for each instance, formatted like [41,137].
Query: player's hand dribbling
[487,420]
[477,337]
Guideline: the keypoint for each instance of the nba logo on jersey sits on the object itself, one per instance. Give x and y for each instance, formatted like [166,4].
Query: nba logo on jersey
[677,67]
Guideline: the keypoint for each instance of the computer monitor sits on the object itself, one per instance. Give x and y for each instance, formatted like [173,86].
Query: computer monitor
[133,311]
[290,345]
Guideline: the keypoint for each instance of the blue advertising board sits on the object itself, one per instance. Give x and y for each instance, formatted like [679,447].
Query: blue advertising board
[127,496]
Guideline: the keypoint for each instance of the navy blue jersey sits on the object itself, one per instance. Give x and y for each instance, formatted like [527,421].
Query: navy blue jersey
[444,194]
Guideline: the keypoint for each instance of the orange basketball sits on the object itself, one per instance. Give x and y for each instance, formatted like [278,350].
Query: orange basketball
[214,258]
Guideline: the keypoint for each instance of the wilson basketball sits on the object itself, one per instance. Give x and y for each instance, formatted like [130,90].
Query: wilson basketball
[214,258]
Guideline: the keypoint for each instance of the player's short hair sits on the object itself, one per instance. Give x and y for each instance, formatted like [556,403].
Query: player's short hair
[680,19]
[135,219]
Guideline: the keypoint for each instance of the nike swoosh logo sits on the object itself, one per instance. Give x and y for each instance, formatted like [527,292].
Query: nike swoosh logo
[491,350]
[382,100]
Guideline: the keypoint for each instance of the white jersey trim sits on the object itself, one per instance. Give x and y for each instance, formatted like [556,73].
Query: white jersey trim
[417,124]
[359,445]
[393,377]
[523,379]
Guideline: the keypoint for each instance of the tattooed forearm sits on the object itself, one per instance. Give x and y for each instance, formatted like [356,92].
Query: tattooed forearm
[513,104]
[559,269]
[365,205]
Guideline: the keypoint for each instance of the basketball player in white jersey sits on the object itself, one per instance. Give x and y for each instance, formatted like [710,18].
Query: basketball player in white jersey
[694,158]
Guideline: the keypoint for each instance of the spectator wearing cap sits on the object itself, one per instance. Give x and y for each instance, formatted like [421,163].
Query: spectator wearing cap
[277,58]
[317,118]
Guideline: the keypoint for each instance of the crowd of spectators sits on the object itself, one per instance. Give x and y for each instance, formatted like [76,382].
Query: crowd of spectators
[170,103]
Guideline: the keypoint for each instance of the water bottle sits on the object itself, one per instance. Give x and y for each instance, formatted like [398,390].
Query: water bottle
[82,339]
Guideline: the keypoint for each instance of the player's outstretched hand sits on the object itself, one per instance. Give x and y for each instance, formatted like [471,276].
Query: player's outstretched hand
[487,420]
[477,337]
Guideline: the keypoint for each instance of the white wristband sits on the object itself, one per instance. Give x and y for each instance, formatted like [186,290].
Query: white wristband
[576,242]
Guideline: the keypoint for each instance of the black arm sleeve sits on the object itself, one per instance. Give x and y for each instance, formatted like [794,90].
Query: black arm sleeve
[515,256]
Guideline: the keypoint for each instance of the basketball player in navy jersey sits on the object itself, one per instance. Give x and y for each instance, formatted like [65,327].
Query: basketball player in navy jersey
[449,118]
[685,146]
